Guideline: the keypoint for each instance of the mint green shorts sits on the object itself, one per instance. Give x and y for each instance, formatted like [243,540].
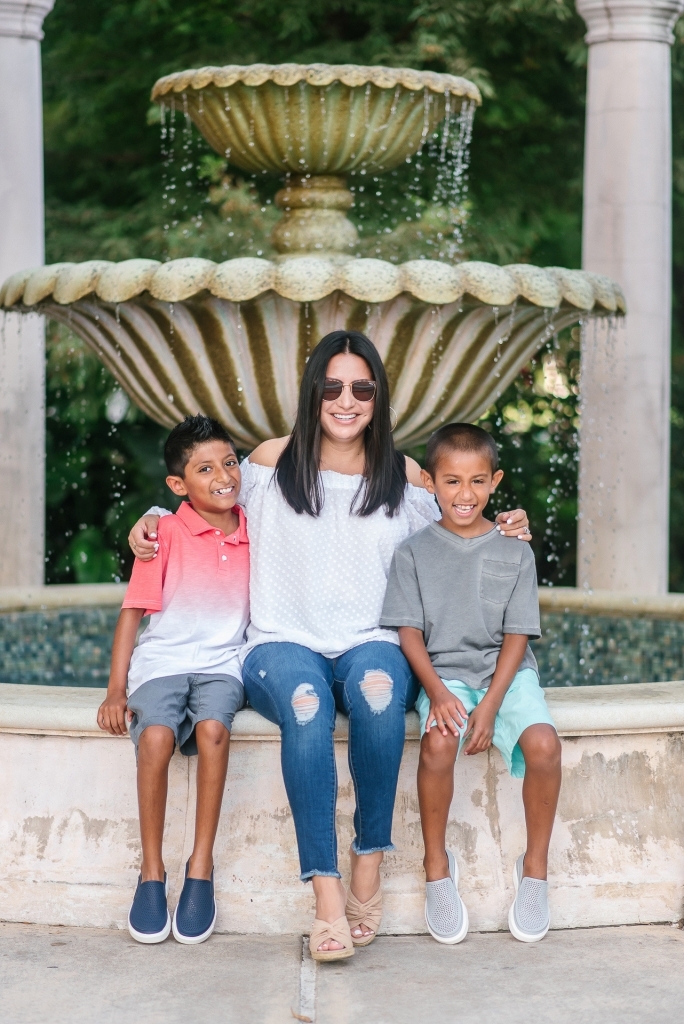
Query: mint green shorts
[524,705]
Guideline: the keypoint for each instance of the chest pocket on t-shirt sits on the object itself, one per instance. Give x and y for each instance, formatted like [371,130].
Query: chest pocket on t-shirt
[497,580]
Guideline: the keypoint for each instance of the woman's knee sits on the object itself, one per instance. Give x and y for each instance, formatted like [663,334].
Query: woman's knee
[305,703]
[541,747]
[289,686]
[378,678]
[377,689]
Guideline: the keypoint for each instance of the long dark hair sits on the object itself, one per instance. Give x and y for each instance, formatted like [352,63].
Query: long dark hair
[297,469]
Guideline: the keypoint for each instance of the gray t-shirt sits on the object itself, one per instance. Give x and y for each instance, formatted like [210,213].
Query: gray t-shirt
[464,594]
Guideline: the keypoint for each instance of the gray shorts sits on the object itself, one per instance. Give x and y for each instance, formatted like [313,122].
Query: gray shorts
[180,702]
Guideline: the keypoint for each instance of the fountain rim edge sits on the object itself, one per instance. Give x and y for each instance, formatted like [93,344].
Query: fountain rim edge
[353,75]
[308,278]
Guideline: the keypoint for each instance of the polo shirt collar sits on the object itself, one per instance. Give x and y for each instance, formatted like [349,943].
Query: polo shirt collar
[197,525]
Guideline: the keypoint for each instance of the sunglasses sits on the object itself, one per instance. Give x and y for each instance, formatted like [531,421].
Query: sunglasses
[362,390]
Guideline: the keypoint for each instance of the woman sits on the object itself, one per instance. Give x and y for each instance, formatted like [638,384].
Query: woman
[326,508]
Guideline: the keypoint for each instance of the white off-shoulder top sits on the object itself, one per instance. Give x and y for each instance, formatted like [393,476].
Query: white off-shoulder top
[321,582]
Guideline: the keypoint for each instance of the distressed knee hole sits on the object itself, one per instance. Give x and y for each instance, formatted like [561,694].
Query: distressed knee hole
[305,703]
[377,687]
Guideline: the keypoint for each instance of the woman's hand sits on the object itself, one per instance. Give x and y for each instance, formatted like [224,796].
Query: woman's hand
[513,524]
[448,712]
[112,715]
[481,729]
[143,538]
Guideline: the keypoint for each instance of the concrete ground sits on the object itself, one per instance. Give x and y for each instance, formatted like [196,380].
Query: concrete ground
[83,976]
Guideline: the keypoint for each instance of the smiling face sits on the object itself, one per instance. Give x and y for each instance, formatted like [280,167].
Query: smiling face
[462,484]
[346,418]
[211,479]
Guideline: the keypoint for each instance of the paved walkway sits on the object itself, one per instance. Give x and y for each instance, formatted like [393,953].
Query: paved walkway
[83,976]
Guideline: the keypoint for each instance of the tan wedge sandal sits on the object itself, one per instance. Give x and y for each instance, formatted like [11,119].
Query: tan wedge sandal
[338,931]
[368,914]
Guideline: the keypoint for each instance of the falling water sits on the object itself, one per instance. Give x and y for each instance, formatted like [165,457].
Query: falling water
[169,197]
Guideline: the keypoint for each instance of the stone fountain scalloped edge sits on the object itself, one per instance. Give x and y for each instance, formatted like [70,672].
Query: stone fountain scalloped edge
[191,335]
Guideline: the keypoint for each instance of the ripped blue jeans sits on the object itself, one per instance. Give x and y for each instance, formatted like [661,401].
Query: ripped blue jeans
[301,691]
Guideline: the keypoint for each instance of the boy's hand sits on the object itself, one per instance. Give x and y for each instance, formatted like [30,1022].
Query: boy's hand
[481,729]
[448,712]
[113,714]
[143,538]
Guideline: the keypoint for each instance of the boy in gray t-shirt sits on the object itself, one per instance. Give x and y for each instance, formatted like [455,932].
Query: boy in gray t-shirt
[464,601]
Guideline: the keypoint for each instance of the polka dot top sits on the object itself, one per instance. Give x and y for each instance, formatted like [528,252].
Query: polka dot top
[321,582]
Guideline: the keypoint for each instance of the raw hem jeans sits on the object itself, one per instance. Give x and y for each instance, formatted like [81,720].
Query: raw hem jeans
[300,691]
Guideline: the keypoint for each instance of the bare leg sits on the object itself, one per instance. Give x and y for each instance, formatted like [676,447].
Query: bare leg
[330,895]
[365,881]
[330,903]
[435,792]
[213,743]
[542,751]
[155,750]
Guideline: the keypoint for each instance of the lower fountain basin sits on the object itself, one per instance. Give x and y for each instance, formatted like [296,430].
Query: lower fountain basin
[231,340]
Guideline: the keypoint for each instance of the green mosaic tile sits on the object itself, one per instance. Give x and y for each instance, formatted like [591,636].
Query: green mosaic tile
[65,647]
[72,647]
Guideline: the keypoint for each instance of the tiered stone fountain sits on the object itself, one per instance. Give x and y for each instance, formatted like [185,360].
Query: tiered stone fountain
[231,339]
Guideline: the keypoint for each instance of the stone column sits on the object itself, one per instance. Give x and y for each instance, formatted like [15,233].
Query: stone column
[22,340]
[625,381]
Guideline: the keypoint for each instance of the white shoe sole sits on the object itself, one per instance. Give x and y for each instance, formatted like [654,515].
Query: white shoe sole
[512,926]
[150,938]
[193,940]
[460,935]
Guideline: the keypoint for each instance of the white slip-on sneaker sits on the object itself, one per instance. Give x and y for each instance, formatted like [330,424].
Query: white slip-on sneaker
[445,915]
[529,918]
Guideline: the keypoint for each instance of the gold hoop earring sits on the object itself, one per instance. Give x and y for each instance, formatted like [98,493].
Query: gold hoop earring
[396,419]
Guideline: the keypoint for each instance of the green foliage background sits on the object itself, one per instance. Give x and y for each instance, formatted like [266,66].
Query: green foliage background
[105,186]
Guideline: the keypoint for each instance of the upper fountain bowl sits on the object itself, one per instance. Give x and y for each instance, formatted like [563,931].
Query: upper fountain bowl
[314,119]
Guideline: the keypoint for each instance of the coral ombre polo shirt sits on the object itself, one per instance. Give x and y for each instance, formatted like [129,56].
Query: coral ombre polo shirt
[196,592]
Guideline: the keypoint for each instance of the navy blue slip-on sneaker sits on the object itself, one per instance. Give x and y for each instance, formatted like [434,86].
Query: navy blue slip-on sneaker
[149,919]
[195,914]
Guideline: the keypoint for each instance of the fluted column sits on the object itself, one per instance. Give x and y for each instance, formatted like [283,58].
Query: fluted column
[22,344]
[625,379]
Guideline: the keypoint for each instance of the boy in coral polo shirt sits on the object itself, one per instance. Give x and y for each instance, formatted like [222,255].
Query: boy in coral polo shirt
[184,681]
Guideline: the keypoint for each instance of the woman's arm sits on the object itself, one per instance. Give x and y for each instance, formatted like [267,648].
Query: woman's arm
[142,540]
[413,472]
[268,452]
[514,524]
